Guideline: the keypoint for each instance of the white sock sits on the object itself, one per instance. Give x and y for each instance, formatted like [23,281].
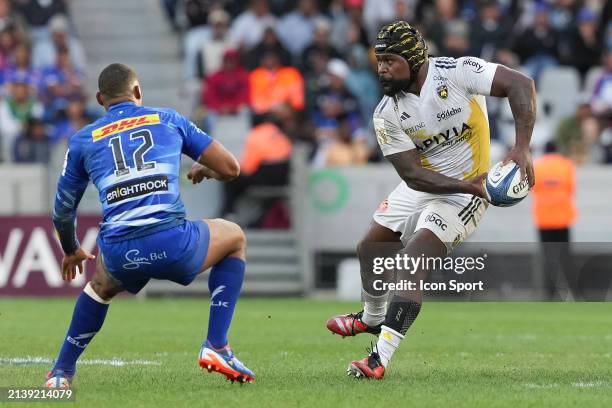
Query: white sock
[388,341]
[374,308]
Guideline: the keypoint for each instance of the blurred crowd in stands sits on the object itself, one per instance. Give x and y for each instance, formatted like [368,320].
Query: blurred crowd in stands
[304,70]
[41,79]
[312,61]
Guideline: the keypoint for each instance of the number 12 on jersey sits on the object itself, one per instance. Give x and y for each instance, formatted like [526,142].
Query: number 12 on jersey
[121,169]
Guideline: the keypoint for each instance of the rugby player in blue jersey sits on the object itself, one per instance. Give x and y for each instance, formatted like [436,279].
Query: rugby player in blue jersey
[132,155]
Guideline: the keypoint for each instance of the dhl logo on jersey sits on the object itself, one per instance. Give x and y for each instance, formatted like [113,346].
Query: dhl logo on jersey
[124,124]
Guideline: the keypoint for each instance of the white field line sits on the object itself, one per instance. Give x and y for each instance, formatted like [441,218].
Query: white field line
[30,360]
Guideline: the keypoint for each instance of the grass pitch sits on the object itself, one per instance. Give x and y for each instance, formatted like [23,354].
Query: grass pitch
[456,355]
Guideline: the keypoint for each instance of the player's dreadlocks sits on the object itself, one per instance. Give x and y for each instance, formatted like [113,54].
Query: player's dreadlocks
[404,40]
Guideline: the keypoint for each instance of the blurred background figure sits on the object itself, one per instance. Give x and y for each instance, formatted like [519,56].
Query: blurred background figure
[269,43]
[32,145]
[537,46]
[297,28]
[554,213]
[15,109]
[272,84]
[44,52]
[212,49]
[248,28]
[264,161]
[226,91]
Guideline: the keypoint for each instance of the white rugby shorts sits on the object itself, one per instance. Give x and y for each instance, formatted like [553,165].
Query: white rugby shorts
[452,217]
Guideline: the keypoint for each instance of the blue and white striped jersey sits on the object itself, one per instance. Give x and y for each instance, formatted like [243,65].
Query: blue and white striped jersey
[132,155]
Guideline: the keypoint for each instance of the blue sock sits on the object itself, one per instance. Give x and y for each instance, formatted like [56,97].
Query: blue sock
[224,283]
[87,320]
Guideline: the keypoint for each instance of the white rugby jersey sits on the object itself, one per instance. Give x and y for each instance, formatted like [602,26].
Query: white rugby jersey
[447,123]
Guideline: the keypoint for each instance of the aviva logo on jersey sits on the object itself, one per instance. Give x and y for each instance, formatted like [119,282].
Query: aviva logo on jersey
[124,124]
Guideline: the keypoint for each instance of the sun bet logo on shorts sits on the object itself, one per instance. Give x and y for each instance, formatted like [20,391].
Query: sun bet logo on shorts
[136,188]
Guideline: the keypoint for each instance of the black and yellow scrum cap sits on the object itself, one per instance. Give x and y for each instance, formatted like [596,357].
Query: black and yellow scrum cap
[404,40]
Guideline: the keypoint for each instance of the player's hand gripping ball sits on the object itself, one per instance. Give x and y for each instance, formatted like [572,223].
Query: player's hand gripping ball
[504,185]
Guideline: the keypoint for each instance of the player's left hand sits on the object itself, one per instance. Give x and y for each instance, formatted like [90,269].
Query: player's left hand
[198,173]
[522,157]
[72,262]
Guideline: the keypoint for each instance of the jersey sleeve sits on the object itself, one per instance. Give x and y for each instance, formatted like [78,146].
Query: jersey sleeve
[195,141]
[71,185]
[475,75]
[391,138]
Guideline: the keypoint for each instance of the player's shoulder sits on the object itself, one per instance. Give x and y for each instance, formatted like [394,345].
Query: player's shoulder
[385,108]
[163,112]
[455,66]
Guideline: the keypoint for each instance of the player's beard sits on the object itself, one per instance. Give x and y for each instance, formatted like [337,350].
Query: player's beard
[392,86]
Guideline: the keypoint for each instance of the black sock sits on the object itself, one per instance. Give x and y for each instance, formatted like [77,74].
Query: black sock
[401,314]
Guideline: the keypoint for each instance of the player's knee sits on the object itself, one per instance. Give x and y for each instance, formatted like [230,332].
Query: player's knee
[238,238]
[102,290]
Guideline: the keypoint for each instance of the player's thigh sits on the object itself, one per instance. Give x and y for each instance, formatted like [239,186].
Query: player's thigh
[395,215]
[226,239]
[102,282]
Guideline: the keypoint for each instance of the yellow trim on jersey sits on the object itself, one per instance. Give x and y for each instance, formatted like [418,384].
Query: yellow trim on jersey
[479,140]
[124,124]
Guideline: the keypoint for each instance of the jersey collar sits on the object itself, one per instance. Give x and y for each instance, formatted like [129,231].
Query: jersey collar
[120,105]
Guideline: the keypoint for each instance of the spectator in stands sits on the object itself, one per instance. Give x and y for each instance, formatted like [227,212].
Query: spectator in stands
[248,28]
[292,123]
[38,15]
[296,29]
[264,162]
[456,42]
[489,31]
[32,146]
[583,47]
[197,12]
[6,17]
[60,82]
[347,28]
[335,100]
[404,10]
[577,135]
[444,17]
[341,146]
[377,13]
[21,67]
[210,54]
[272,83]
[362,82]
[14,111]
[44,53]
[537,46]
[70,118]
[269,43]
[8,42]
[554,213]
[196,34]
[321,46]
[226,92]
[601,100]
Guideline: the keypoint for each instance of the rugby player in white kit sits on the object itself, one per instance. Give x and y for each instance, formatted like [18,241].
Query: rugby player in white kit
[432,126]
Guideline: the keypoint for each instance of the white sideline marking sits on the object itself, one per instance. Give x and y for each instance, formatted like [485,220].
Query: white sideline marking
[588,384]
[532,385]
[29,360]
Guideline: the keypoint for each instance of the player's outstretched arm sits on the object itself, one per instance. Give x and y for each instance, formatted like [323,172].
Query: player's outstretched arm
[215,162]
[408,166]
[521,94]
[70,188]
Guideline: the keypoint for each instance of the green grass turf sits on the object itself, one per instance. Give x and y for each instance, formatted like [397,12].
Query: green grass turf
[456,355]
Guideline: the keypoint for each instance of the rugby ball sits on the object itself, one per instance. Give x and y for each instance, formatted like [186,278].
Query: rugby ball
[504,185]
